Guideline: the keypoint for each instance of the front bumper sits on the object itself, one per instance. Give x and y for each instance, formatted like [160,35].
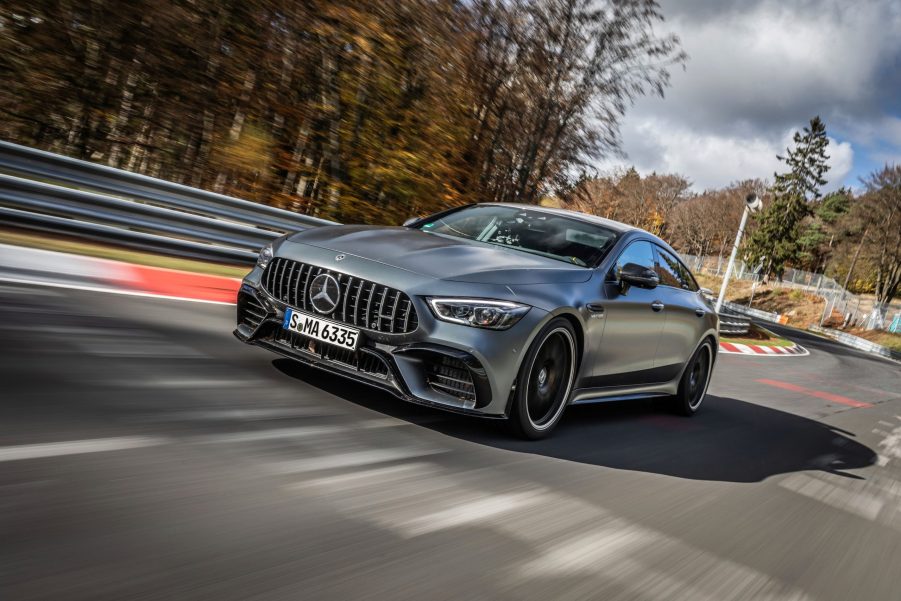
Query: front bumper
[442,365]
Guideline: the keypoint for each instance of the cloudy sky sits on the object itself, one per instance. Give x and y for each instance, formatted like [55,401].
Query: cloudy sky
[760,69]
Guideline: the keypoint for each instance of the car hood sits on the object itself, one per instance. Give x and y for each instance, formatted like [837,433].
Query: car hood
[441,257]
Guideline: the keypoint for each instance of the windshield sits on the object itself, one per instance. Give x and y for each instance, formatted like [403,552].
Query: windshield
[536,232]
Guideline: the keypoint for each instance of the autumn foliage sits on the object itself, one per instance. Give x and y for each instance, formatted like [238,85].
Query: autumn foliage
[353,110]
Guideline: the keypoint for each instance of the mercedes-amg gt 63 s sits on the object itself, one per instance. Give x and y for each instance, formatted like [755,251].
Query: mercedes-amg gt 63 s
[496,310]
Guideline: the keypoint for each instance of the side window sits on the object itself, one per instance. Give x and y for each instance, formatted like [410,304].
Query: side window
[669,275]
[639,252]
[673,273]
[689,281]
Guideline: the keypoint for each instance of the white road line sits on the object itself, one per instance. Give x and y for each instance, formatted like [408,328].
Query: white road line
[77,447]
[109,346]
[273,434]
[891,443]
[28,291]
[562,536]
[244,414]
[472,512]
[384,422]
[351,459]
[859,503]
[601,549]
[111,291]
[379,474]
[211,382]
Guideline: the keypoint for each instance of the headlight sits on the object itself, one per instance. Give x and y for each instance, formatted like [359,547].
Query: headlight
[265,256]
[477,312]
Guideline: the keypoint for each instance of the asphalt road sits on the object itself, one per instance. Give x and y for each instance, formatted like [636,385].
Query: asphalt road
[146,454]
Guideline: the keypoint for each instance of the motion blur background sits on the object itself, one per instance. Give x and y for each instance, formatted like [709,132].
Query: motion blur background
[146,454]
[375,111]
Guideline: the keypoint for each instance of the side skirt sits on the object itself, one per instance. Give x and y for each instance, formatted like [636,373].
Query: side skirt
[622,393]
[623,397]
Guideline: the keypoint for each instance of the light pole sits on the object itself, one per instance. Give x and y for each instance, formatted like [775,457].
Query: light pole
[752,205]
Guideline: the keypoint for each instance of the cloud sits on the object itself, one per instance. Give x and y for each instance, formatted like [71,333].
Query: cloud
[758,70]
[711,160]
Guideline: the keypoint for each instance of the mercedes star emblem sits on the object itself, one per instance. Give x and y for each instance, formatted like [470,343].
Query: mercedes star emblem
[325,293]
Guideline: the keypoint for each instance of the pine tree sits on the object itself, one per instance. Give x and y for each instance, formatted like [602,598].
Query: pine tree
[819,233]
[777,239]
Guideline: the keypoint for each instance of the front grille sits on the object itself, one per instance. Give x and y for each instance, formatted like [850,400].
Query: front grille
[250,311]
[368,363]
[363,304]
[450,376]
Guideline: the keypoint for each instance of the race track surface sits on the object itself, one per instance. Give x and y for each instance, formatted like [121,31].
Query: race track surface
[146,454]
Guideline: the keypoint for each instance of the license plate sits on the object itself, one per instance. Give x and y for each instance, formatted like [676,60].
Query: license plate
[320,329]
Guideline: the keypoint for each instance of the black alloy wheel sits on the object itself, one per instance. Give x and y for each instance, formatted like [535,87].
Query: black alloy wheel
[545,380]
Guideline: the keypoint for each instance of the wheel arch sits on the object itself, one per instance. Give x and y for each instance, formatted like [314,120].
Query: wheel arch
[711,337]
[579,330]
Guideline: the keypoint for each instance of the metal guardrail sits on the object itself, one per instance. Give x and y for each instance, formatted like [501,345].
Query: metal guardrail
[737,309]
[49,192]
[732,324]
[858,342]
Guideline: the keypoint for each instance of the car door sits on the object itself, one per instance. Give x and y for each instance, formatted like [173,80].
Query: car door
[685,312]
[634,323]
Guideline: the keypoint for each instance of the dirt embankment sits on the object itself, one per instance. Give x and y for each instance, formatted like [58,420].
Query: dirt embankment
[801,308]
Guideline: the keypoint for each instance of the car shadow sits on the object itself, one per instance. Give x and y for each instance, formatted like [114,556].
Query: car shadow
[729,440]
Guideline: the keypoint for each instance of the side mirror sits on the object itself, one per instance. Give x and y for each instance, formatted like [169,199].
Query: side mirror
[636,275]
[411,221]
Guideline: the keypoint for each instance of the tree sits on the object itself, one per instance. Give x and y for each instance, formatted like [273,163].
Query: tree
[552,79]
[881,207]
[823,229]
[349,109]
[777,240]
[646,202]
[705,223]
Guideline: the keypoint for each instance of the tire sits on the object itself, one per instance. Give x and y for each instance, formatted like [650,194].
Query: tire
[545,381]
[694,382]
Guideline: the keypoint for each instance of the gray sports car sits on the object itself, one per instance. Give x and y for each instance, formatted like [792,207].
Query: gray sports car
[496,310]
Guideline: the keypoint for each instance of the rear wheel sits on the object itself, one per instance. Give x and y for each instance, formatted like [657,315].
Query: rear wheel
[545,380]
[693,385]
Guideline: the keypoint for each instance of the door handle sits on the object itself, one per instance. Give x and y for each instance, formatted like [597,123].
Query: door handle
[699,312]
[657,306]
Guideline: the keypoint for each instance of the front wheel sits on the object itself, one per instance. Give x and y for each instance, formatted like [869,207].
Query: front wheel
[693,385]
[545,380]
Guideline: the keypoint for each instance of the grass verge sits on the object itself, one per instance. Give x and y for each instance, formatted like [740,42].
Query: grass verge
[760,337]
